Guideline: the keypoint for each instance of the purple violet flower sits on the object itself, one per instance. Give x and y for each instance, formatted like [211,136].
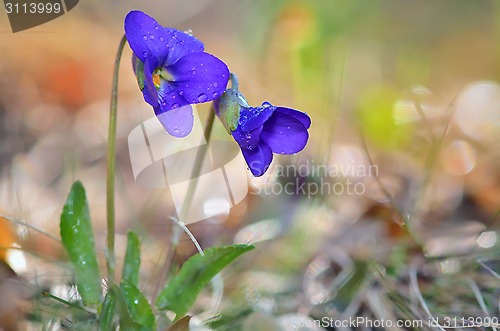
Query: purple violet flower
[262,131]
[173,71]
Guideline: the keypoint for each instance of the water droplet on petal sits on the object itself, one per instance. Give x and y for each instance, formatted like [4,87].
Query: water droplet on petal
[215,95]
[177,131]
[250,147]
[161,38]
[202,97]
[181,92]
[145,37]
[216,84]
[157,27]
[151,37]
[175,105]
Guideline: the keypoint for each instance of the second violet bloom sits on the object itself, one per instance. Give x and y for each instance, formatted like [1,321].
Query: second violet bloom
[263,130]
[173,71]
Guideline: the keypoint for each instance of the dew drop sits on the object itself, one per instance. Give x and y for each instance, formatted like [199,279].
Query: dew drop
[136,302]
[161,38]
[216,84]
[175,105]
[157,27]
[202,97]
[151,37]
[215,94]
[250,147]
[181,92]
[177,131]
[145,37]
[84,262]
[242,120]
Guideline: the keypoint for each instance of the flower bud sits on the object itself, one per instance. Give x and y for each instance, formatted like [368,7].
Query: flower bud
[227,108]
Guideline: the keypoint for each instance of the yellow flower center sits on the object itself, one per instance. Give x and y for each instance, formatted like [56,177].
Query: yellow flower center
[156,80]
[161,74]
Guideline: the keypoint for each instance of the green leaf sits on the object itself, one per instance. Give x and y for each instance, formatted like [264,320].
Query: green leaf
[106,318]
[181,292]
[78,240]
[132,259]
[137,305]
[126,321]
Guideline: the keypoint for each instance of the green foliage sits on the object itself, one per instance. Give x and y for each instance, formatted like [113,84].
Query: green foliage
[125,317]
[126,303]
[78,240]
[132,259]
[137,306]
[106,317]
[181,292]
[120,307]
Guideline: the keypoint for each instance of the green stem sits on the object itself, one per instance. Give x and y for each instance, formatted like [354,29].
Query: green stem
[111,165]
[198,164]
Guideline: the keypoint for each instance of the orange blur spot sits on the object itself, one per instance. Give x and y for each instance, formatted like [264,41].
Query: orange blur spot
[7,237]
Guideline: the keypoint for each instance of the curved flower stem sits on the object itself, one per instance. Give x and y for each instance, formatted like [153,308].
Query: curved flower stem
[111,165]
[198,164]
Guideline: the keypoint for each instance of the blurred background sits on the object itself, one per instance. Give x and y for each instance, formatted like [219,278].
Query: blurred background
[398,218]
